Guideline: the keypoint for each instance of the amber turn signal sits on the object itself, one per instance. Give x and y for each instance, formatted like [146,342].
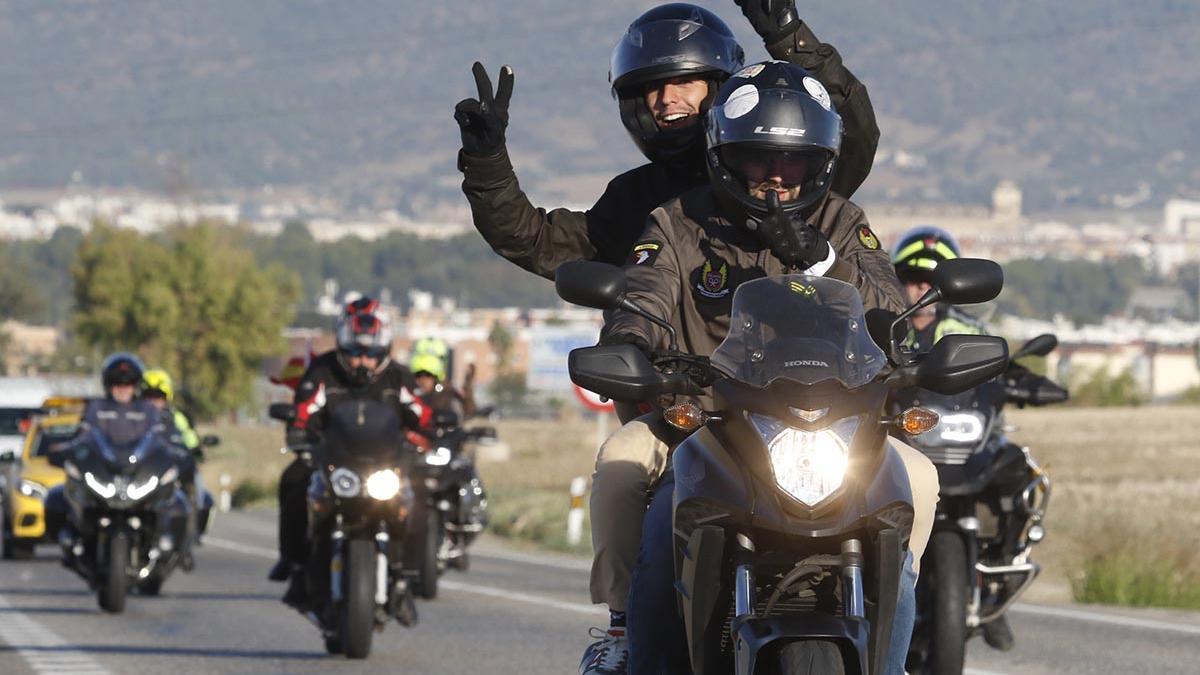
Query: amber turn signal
[917,420]
[685,416]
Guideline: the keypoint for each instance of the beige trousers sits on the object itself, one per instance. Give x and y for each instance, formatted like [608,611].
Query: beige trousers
[636,455]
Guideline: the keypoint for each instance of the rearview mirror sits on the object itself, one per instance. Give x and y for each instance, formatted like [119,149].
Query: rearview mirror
[966,281]
[1038,346]
[620,372]
[284,412]
[210,440]
[8,455]
[590,284]
[957,363]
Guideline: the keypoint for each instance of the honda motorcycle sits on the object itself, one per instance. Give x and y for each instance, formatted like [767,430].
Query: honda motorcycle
[455,504]
[990,511]
[126,514]
[791,512]
[359,501]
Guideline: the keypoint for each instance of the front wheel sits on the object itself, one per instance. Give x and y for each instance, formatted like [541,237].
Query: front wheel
[358,610]
[115,584]
[948,604]
[811,657]
[429,554]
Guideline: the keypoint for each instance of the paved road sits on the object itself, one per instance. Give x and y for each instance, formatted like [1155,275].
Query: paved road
[513,613]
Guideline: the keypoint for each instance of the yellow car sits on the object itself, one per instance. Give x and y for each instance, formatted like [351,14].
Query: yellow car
[23,521]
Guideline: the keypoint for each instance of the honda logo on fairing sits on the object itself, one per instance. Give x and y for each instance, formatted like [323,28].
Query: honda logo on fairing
[779,131]
[808,364]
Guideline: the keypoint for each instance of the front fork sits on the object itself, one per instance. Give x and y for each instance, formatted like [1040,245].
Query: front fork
[337,563]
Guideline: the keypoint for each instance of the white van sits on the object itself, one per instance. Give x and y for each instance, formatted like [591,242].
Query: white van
[20,399]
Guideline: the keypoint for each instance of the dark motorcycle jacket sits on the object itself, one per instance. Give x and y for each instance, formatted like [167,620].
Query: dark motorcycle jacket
[690,260]
[539,240]
[326,383]
[122,423]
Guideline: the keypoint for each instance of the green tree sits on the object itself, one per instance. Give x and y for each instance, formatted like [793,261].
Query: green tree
[189,302]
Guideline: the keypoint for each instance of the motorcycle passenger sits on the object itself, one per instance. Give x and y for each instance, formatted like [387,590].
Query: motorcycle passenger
[664,74]
[767,211]
[360,367]
[159,390]
[430,372]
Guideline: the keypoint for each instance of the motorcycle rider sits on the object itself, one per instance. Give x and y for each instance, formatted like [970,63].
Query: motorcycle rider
[124,417]
[664,74]
[773,138]
[359,367]
[916,254]
[159,390]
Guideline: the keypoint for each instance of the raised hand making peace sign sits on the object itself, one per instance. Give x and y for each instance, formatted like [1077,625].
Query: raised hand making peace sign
[482,120]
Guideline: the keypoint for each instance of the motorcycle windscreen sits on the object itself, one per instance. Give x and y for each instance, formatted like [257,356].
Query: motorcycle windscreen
[362,429]
[800,328]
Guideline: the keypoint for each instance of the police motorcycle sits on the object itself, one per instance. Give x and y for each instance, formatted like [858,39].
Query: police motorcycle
[359,502]
[992,502]
[455,503]
[125,514]
[790,510]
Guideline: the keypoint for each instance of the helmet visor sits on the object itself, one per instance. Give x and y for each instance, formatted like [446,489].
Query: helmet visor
[790,168]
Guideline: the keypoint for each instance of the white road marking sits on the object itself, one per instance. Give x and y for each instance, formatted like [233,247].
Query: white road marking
[1112,619]
[532,559]
[248,549]
[527,598]
[42,648]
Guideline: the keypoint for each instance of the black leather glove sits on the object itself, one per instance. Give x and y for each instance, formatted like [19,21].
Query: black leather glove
[796,244]
[771,19]
[482,121]
[626,339]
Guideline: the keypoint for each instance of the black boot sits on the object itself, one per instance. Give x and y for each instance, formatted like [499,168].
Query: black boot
[281,570]
[998,635]
[297,591]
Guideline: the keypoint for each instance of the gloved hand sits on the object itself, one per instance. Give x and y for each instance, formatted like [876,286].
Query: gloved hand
[626,339]
[771,19]
[482,121]
[796,245]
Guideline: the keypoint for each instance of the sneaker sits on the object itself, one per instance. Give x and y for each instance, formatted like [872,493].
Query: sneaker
[280,571]
[609,655]
[998,635]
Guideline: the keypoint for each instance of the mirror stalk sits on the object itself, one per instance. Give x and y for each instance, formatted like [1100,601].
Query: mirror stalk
[931,296]
[627,305]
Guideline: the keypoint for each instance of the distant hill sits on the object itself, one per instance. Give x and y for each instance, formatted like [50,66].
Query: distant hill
[1076,102]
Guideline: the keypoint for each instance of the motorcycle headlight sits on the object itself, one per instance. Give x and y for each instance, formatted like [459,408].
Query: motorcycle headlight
[102,490]
[808,465]
[345,483]
[966,427]
[439,457]
[137,491]
[383,485]
[32,489]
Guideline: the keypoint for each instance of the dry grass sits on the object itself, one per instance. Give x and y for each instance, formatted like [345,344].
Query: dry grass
[1126,490]
[1126,495]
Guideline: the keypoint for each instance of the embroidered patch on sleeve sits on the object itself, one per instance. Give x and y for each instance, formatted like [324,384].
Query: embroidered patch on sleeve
[867,238]
[644,253]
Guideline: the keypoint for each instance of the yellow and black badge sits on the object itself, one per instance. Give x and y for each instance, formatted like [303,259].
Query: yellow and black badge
[867,238]
[644,253]
[802,289]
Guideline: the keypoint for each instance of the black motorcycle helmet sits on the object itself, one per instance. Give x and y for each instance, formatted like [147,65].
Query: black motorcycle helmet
[121,368]
[771,119]
[670,41]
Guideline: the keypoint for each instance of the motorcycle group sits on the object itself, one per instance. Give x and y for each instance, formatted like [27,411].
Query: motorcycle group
[812,476]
